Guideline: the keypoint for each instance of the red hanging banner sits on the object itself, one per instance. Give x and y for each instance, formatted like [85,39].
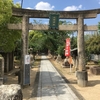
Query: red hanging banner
[67,47]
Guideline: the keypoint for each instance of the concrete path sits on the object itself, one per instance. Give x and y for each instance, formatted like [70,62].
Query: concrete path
[51,85]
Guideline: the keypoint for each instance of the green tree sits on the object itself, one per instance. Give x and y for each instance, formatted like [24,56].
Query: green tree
[73,42]
[8,37]
[93,44]
[49,40]
[36,40]
[5,11]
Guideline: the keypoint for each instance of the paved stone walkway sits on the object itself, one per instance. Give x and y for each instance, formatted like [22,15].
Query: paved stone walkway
[51,84]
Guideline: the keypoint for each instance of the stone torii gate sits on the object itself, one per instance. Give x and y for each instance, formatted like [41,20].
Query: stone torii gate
[79,26]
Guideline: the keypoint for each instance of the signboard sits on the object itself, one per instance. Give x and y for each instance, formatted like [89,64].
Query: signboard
[54,21]
[67,47]
[27,59]
[27,74]
[26,79]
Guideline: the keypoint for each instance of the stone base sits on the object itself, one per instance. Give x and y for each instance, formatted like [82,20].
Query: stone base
[1,80]
[82,78]
[95,70]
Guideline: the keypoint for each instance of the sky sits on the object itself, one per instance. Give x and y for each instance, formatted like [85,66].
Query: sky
[63,5]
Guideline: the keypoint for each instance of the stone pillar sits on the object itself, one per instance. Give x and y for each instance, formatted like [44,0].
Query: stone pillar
[1,70]
[11,61]
[77,62]
[6,62]
[25,31]
[58,58]
[82,73]
[80,43]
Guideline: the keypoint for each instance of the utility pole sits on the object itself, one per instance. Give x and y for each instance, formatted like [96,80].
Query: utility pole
[21,3]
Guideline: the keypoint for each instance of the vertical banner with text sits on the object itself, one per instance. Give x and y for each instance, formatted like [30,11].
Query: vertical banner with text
[26,79]
[67,47]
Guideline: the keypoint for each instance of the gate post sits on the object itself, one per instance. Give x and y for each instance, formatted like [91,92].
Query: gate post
[82,73]
[25,31]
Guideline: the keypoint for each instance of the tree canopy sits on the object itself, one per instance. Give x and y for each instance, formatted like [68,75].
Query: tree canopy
[8,37]
[49,40]
[93,44]
[5,11]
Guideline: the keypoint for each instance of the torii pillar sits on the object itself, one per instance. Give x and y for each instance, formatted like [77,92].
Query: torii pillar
[25,31]
[82,76]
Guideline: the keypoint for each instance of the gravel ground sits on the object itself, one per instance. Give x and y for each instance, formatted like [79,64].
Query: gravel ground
[91,92]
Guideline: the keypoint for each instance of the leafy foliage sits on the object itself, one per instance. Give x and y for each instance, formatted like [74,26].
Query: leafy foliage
[36,40]
[49,40]
[8,37]
[93,44]
[74,42]
[5,11]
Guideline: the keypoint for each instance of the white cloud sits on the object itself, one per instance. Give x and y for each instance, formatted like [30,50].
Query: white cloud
[46,23]
[19,2]
[44,6]
[73,21]
[71,8]
[29,8]
[80,6]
